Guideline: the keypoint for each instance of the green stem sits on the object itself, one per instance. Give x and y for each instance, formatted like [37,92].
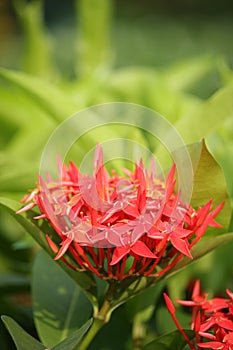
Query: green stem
[95,327]
[100,319]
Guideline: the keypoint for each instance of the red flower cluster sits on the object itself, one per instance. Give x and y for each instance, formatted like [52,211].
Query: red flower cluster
[212,320]
[119,226]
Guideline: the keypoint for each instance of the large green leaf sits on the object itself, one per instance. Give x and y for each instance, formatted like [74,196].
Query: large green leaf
[74,339]
[210,183]
[22,339]
[173,340]
[31,226]
[60,306]
[208,116]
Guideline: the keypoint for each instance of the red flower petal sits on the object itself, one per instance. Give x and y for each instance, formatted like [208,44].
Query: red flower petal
[212,345]
[170,182]
[141,249]
[27,207]
[64,246]
[196,290]
[229,337]
[141,195]
[169,304]
[180,245]
[131,209]
[52,245]
[99,158]
[119,253]
[73,172]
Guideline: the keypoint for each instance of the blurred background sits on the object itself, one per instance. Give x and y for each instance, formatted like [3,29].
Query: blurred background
[58,57]
[149,33]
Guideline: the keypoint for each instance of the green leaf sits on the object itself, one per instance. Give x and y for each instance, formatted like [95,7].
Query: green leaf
[141,308]
[209,183]
[84,279]
[173,340]
[186,73]
[207,117]
[27,144]
[18,110]
[164,322]
[16,175]
[22,339]
[60,306]
[125,290]
[49,97]
[143,301]
[74,339]
[221,144]
[18,129]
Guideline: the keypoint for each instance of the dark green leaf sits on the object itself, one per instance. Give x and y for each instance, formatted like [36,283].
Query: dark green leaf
[74,339]
[60,306]
[144,300]
[22,339]
[173,340]
[84,279]
[141,308]
[125,290]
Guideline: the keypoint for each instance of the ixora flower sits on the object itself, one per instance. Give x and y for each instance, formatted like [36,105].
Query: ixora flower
[212,320]
[118,226]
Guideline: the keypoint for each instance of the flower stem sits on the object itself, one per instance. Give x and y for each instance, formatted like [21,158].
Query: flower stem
[100,319]
[95,327]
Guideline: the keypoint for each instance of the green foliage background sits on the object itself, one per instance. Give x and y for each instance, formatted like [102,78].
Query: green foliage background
[58,59]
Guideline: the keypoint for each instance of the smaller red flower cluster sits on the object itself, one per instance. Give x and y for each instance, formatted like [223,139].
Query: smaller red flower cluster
[212,319]
[119,226]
